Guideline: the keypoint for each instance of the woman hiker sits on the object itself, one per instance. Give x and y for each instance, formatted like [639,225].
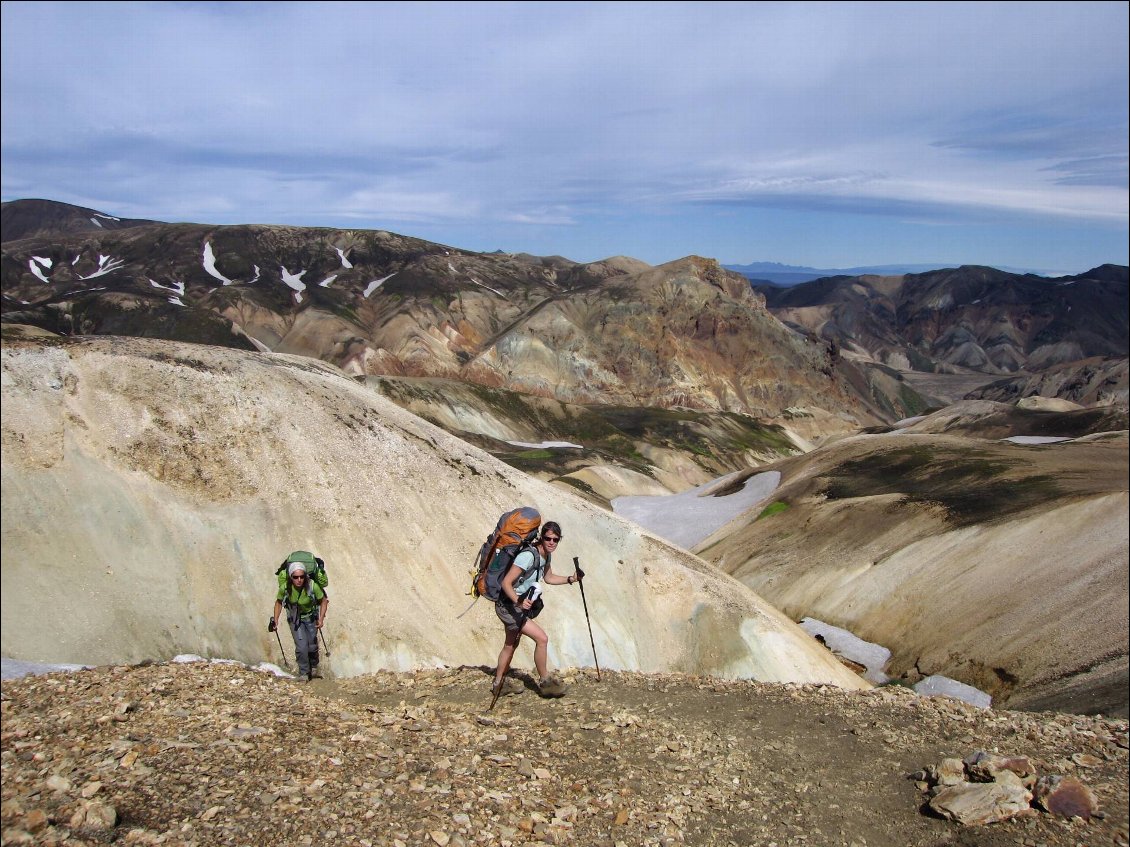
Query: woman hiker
[519,603]
[305,603]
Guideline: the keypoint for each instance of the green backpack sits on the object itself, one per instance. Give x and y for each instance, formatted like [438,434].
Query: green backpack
[315,569]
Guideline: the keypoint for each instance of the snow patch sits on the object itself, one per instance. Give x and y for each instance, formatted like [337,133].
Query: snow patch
[691,516]
[294,281]
[874,657]
[325,282]
[176,287]
[16,668]
[106,264]
[376,283]
[345,263]
[1036,439]
[210,264]
[95,222]
[943,686]
[545,444]
[38,271]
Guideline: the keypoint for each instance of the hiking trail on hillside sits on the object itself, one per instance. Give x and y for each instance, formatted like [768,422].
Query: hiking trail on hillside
[219,753]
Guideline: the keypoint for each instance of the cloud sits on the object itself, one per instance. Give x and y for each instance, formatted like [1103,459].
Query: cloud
[531,116]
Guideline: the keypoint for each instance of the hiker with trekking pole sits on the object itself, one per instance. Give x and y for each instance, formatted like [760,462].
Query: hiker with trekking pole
[519,602]
[305,601]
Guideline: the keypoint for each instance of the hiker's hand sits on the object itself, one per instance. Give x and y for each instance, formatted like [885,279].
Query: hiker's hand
[272,625]
[319,624]
[580,574]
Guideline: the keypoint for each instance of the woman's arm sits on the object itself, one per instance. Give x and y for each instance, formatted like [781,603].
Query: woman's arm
[512,576]
[556,579]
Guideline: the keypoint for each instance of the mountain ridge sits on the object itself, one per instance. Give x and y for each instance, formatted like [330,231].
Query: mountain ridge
[784,275]
[618,331]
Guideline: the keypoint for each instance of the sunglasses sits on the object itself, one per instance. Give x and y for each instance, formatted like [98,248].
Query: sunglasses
[298,576]
[549,539]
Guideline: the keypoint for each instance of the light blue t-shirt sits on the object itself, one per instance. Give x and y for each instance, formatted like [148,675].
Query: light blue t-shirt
[530,575]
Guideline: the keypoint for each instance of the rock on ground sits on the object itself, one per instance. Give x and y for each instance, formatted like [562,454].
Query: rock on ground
[210,754]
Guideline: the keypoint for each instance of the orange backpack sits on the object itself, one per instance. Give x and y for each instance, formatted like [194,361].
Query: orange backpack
[515,531]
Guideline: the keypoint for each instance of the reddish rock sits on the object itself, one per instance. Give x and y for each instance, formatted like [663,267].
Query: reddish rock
[1065,796]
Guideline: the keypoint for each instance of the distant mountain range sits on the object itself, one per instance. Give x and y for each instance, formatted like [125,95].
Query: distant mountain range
[618,332]
[786,275]
[684,334]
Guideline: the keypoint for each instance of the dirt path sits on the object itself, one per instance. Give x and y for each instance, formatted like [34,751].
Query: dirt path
[221,754]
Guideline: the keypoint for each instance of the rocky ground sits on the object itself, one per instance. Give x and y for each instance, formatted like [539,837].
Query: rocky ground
[201,754]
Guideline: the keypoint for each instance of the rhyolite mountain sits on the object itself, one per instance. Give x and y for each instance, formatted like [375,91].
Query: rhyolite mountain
[974,320]
[619,332]
[24,219]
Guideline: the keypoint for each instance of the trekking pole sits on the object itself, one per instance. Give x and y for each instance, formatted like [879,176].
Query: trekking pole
[278,637]
[324,644]
[581,583]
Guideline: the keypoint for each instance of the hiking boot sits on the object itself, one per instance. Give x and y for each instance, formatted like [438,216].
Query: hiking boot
[551,687]
[315,674]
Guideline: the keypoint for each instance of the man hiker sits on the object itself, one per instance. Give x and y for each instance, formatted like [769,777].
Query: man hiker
[305,602]
[519,603]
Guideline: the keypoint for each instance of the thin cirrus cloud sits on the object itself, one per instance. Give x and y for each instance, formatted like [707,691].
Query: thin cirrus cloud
[550,127]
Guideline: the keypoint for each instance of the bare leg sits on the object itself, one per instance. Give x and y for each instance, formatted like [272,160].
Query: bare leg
[506,655]
[541,646]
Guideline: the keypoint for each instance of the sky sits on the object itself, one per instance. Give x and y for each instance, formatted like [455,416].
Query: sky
[824,135]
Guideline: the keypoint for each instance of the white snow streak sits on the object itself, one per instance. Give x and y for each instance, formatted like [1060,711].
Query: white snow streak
[38,271]
[546,444]
[345,263]
[294,281]
[1036,439]
[376,283]
[176,287]
[451,267]
[106,264]
[106,217]
[95,222]
[487,287]
[210,264]
[325,282]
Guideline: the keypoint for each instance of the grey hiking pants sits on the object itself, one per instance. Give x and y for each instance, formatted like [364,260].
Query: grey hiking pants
[305,632]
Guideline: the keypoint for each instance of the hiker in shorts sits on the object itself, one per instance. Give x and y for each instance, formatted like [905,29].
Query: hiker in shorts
[519,603]
[305,602]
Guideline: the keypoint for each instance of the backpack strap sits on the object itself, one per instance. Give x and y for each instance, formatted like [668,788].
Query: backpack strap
[289,604]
